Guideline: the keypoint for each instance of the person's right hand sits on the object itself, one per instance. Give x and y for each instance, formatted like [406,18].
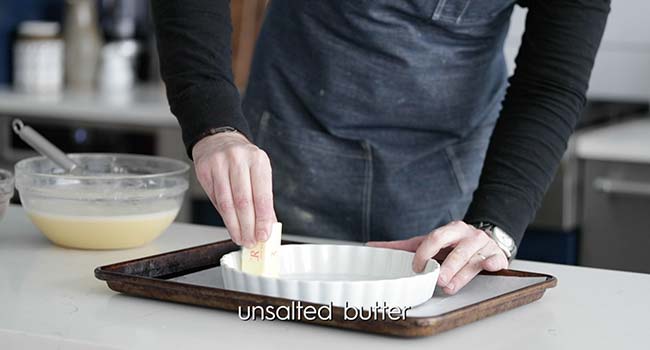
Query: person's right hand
[236,175]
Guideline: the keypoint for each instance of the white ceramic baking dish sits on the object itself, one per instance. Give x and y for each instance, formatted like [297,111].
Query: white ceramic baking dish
[323,274]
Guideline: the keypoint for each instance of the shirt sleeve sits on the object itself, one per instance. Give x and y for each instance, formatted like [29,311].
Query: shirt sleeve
[544,99]
[194,46]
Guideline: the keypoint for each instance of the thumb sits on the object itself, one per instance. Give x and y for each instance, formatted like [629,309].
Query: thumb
[410,245]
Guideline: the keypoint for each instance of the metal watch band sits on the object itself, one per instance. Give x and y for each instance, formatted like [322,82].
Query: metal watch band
[498,237]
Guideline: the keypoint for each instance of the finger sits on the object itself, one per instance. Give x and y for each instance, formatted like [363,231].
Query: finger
[224,203]
[461,254]
[495,262]
[490,254]
[261,181]
[465,274]
[242,196]
[406,244]
[438,239]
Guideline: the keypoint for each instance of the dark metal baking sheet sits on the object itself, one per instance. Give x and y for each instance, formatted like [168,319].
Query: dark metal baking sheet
[192,276]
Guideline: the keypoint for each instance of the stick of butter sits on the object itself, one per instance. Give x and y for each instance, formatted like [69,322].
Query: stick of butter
[264,258]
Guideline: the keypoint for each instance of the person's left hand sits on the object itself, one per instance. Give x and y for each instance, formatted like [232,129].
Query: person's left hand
[465,249]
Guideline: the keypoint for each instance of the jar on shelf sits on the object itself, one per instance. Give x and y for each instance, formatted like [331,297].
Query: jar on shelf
[38,58]
[83,44]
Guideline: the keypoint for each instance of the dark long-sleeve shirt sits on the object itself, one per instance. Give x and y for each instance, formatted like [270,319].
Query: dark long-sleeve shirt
[542,104]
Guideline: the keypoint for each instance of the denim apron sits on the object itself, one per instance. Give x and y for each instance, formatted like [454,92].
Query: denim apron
[376,114]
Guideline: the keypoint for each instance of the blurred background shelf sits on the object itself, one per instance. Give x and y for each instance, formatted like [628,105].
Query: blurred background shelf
[142,106]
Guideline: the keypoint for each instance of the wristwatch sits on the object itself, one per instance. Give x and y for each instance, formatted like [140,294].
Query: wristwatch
[214,131]
[502,239]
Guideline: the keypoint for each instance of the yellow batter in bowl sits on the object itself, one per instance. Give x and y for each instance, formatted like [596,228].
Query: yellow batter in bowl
[102,232]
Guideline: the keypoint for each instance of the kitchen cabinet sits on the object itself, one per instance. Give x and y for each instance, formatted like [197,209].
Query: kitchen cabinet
[615,186]
[615,230]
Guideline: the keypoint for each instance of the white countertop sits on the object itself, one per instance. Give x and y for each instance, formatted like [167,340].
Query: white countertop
[50,299]
[628,141]
[142,106]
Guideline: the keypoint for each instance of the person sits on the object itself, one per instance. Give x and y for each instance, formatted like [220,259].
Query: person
[390,121]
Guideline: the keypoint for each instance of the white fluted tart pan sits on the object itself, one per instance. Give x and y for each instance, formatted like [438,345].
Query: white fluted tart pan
[338,274]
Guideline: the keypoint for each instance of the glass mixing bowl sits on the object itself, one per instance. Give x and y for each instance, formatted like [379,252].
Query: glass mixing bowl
[118,201]
[6,190]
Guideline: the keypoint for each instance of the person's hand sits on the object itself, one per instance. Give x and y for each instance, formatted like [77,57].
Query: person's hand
[465,249]
[236,175]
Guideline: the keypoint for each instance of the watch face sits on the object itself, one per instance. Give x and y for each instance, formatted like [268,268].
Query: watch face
[503,237]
